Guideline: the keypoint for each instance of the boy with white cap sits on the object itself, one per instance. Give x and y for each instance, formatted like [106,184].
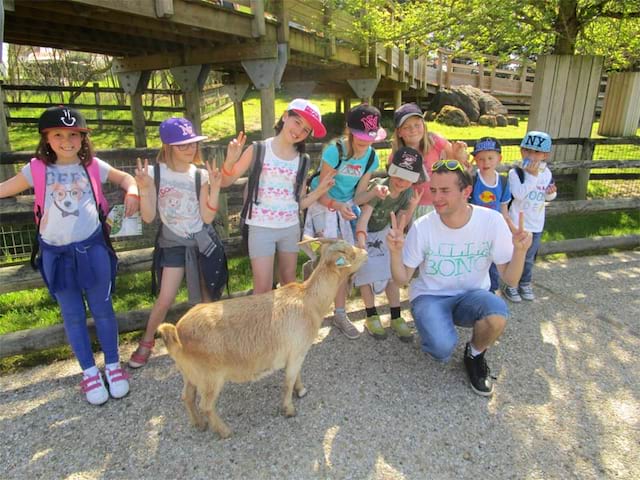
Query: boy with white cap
[531,186]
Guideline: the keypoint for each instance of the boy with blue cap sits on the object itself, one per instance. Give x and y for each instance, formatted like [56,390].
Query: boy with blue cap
[531,186]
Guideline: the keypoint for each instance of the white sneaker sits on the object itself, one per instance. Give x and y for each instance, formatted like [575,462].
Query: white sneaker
[512,294]
[526,292]
[118,381]
[94,389]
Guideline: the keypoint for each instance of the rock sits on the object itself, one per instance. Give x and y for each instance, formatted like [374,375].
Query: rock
[473,101]
[501,120]
[453,116]
[511,120]
[487,120]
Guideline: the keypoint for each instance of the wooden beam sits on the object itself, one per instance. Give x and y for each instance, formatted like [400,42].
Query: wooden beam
[219,55]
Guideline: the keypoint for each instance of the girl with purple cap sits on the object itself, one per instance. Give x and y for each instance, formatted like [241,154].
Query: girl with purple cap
[272,210]
[351,159]
[186,200]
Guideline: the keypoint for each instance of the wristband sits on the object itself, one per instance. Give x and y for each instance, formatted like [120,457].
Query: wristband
[226,172]
[213,209]
[134,195]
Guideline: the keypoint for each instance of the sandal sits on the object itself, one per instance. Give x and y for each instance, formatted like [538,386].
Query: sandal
[140,357]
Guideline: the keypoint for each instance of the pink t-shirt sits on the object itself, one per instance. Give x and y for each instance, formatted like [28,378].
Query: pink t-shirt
[430,157]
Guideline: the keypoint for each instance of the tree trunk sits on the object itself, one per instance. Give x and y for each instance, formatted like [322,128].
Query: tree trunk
[567,27]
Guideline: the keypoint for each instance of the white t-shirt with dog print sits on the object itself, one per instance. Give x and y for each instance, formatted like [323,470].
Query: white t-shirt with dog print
[70,212]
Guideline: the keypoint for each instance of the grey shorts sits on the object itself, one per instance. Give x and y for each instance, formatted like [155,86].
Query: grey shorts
[263,242]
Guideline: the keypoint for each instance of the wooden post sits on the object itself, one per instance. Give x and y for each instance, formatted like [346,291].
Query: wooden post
[338,105]
[523,75]
[258,26]
[96,95]
[137,118]
[192,107]
[397,98]
[447,78]
[582,180]
[238,112]
[6,171]
[492,77]
[481,75]
[621,109]
[440,70]
[268,110]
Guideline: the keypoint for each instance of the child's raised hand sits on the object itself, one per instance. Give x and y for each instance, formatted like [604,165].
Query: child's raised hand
[461,153]
[380,191]
[532,166]
[215,175]
[143,179]
[520,237]
[415,198]
[234,149]
[327,182]
[395,237]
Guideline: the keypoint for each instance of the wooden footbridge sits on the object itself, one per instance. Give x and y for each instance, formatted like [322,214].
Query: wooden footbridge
[300,45]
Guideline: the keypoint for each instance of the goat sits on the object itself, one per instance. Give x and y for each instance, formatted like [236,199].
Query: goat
[247,338]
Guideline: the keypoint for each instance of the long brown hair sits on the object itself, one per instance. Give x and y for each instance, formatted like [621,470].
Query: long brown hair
[45,153]
[426,143]
[301,146]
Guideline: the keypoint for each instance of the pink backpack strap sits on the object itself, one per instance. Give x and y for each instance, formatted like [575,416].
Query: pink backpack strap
[94,177]
[38,174]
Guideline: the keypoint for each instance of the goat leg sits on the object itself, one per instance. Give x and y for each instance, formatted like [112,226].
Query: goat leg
[291,378]
[189,398]
[208,400]
[299,388]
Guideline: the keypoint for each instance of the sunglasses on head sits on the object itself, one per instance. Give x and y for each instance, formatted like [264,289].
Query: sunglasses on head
[448,164]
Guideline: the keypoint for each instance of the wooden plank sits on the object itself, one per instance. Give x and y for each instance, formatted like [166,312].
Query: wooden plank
[219,55]
[589,244]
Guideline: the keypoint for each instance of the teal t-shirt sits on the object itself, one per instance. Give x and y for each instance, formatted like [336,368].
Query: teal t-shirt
[383,207]
[349,173]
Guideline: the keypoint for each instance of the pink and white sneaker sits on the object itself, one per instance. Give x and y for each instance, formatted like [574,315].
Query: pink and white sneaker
[118,380]
[94,389]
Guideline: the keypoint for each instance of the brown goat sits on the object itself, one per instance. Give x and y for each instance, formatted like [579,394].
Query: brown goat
[244,339]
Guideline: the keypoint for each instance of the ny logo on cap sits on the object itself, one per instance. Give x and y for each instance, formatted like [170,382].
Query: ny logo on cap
[187,130]
[534,141]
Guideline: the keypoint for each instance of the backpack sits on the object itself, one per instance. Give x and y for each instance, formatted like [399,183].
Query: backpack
[342,158]
[216,282]
[251,190]
[38,174]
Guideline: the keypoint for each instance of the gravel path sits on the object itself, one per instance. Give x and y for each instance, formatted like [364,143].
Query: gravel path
[567,404]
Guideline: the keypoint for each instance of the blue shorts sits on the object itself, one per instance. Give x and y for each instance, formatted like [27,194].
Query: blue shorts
[436,317]
[172,257]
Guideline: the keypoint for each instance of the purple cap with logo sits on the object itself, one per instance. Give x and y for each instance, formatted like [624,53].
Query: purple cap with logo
[178,131]
[364,123]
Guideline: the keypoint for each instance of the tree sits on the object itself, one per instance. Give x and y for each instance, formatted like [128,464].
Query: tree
[506,27]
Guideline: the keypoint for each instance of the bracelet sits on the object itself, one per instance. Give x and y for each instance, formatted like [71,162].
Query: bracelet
[213,209]
[226,172]
[134,195]
[331,204]
[362,232]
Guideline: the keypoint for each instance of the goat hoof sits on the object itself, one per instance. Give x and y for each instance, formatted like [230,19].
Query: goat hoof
[289,411]
[201,425]
[302,392]
[224,433]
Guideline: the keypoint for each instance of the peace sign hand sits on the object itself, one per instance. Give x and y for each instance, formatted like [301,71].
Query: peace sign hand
[234,149]
[520,237]
[415,198]
[143,179]
[395,237]
[215,175]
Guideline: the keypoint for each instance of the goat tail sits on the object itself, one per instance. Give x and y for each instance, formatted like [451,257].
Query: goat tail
[169,334]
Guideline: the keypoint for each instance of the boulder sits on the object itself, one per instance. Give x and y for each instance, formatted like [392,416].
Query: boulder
[511,120]
[453,116]
[488,120]
[501,120]
[473,101]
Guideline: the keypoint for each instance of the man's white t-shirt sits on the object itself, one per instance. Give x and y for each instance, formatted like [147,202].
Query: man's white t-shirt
[456,260]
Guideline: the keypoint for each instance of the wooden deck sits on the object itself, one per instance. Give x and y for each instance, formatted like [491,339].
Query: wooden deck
[310,43]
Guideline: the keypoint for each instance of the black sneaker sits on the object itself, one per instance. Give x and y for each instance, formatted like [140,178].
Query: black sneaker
[479,373]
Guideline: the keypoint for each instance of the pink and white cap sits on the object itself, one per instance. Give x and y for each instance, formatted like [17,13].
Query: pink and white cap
[311,113]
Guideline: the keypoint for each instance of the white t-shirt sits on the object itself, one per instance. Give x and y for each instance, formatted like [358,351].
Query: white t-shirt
[70,214]
[177,201]
[530,197]
[453,261]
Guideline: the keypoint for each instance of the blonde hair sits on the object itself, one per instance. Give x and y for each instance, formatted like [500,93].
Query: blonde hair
[426,143]
[165,155]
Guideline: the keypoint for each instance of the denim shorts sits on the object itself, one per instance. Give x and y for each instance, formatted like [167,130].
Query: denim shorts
[436,317]
[263,242]
[172,257]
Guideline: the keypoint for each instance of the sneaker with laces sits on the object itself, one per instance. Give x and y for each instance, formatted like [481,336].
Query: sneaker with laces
[375,328]
[512,294]
[93,388]
[479,373]
[342,322]
[526,292]
[401,328]
[118,381]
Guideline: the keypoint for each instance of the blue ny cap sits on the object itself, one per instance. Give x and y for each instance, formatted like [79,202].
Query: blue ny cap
[538,141]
